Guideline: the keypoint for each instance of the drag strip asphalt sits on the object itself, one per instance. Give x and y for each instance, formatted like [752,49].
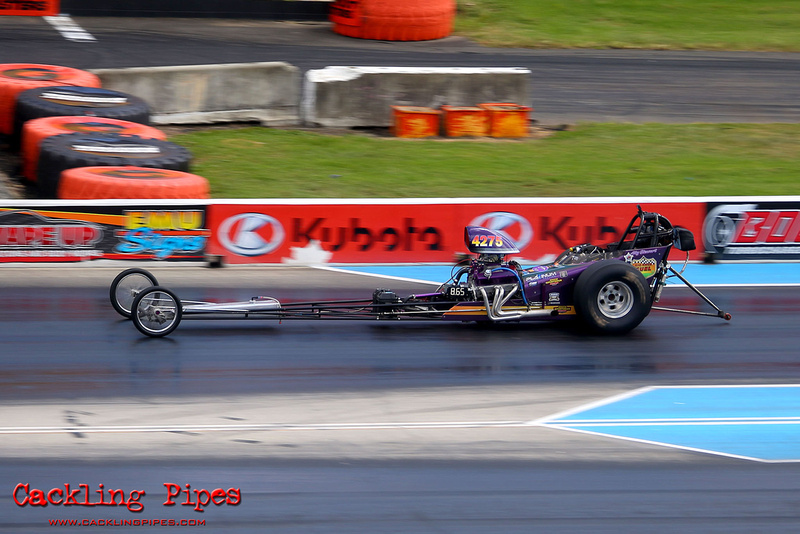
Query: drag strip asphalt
[377,426]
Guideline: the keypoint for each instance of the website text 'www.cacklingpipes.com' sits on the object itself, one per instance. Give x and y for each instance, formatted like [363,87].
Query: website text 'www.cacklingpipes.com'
[127,522]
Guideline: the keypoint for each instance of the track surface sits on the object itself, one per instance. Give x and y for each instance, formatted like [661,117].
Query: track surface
[363,426]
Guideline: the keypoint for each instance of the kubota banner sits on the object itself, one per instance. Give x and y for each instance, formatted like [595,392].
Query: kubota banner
[35,8]
[409,231]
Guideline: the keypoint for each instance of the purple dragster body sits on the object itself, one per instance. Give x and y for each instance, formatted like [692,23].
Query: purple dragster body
[609,289]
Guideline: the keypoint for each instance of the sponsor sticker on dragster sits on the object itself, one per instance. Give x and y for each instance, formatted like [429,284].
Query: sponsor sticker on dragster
[645,261]
[78,234]
[753,231]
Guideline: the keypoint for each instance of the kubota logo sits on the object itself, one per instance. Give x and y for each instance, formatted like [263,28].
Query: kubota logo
[516,226]
[251,234]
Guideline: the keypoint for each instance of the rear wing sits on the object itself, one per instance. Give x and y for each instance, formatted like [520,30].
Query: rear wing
[30,8]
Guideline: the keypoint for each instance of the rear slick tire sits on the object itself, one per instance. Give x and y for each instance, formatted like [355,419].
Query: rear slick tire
[611,297]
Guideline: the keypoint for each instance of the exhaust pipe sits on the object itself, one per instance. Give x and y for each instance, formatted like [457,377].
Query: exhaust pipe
[495,310]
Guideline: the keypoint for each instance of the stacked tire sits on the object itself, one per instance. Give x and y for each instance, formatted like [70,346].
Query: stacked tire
[130,182]
[37,130]
[393,20]
[87,101]
[81,141]
[69,151]
[18,77]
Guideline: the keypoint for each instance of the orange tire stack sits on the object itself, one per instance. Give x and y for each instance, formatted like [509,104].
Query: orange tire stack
[130,182]
[393,20]
[18,77]
[36,130]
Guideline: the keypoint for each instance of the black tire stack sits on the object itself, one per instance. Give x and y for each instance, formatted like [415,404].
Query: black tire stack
[68,151]
[88,101]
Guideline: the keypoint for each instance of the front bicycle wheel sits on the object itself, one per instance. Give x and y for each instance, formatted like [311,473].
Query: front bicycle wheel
[126,286]
[157,311]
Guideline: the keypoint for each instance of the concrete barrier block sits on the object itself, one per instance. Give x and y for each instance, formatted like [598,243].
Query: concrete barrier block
[195,94]
[348,97]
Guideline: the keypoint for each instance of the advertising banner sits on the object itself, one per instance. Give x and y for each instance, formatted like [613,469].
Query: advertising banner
[419,231]
[36,8]
[79,233]
[768,230]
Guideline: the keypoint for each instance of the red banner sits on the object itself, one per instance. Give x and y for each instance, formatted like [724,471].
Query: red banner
[35,8]
[408,231]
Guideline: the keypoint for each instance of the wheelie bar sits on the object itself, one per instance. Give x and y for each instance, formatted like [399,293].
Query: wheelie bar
[720,313]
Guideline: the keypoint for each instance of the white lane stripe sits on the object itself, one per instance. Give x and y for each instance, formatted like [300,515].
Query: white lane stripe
[562,417]
[680,447]
[676,420]
[591,405]
[252,427]
[565,424]
[69,29]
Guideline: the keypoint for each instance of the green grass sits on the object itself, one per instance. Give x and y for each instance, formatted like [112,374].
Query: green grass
[763,25]
[588,160]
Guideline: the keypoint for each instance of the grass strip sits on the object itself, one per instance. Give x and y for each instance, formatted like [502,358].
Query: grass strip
[587,160]
[755,25]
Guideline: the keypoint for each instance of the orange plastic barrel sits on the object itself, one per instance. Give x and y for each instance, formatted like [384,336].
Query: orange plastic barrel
[393,20]
[415,121]
[507,119]
[465,121]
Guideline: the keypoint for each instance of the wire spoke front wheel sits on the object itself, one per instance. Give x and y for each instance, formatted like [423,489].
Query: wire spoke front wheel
[157,311]
[127,286]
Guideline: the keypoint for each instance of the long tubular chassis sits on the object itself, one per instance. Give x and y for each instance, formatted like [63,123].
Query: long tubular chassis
[367,309]
[364,309]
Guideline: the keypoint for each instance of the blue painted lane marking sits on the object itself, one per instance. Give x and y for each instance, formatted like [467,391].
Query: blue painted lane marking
[725,274]
[759,423]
